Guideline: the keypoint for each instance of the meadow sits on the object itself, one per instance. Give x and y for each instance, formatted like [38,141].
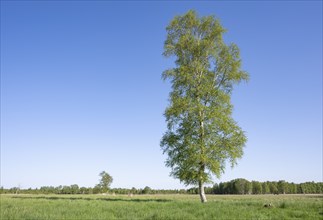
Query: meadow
[161,207]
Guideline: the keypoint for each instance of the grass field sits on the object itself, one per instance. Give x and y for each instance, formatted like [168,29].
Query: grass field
[161,207]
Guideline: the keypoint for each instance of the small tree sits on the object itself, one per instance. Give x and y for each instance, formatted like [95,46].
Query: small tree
[105,181]
[201,133]
[75,189]
[146,190]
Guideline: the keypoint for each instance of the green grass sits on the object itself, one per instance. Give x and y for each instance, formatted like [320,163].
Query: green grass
[161,207]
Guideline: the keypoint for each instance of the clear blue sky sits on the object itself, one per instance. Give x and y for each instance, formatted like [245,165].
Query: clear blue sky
[81,90]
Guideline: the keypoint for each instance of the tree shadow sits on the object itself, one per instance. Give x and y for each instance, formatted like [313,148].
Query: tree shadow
[93,199]
[134,200]
[51,198]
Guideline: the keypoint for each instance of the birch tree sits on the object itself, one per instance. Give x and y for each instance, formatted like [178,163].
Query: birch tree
[201,134]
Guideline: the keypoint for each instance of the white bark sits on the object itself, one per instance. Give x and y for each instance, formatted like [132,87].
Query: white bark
[201,192]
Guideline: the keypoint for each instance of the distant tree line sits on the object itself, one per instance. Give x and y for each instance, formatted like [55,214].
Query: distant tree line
[243,186]
[236,186]
[75,189]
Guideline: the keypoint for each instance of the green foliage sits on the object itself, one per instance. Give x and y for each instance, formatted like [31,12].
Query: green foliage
[201,133]
[265,188]
[105,181]
[256,187]
[241,186]
[281,187]
[146,190]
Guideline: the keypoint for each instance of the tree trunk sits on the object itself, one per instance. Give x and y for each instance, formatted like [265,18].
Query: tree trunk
[202,168]
[201,192]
